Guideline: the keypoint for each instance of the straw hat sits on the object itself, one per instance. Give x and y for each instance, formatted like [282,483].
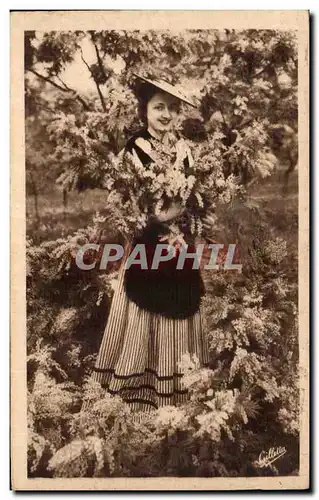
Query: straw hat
[168,88]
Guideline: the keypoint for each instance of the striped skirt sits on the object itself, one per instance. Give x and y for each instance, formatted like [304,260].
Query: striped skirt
[140,353]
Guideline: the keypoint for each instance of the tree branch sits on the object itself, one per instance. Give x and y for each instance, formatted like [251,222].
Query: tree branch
[40,105]
[63,89]
[266,113]
[261,71]
[99,60]
[97,85]
[79,98]
[223,117]
[47,79]
[64,84]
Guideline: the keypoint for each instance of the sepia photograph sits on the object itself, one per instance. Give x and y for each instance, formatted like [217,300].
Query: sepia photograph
[161,194]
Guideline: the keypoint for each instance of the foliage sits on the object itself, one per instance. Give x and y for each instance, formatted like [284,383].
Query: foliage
[247,398]
[246,87]
[244,131]
[139,192]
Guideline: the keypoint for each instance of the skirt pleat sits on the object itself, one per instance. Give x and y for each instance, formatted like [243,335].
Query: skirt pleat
[141,350]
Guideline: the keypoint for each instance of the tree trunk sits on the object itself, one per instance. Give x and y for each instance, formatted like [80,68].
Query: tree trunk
[65,201]
[36,204]
[35,198]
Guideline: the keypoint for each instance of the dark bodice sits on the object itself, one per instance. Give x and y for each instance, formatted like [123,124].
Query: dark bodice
[171,292]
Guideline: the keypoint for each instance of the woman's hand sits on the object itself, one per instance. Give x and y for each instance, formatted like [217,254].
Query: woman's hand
[175,210]
[209,222]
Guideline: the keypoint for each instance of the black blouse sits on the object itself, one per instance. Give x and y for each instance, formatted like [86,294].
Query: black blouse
[171,292]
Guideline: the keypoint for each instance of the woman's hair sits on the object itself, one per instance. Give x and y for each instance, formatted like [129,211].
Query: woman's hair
[144,93]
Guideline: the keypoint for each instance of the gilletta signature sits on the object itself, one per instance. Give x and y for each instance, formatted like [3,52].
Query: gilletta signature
[267,457]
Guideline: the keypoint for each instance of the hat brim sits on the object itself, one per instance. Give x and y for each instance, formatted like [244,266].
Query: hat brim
[168,88]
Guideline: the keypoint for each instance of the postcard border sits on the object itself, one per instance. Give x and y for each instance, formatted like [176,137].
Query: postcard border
[63,20]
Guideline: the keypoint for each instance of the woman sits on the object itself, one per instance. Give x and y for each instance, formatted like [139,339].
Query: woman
[155,315]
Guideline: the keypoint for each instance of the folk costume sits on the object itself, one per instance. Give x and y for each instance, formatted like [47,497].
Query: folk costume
[155,316]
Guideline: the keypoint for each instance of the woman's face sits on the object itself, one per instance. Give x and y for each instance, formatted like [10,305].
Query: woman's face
[162,111]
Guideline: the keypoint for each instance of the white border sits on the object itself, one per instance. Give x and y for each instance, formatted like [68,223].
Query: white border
[4,185]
